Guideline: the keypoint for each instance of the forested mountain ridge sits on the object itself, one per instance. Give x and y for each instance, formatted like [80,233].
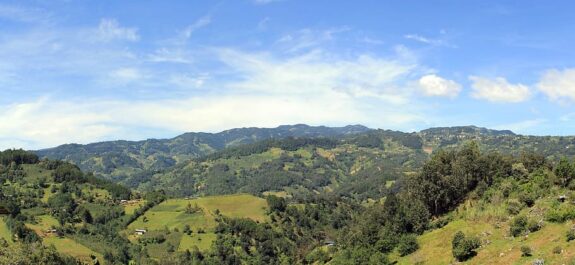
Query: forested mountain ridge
[159,163]
[125,158]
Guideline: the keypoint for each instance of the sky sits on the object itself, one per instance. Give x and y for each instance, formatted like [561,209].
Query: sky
[87,71]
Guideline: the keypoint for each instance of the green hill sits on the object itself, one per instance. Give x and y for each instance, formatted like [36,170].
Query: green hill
[122,159]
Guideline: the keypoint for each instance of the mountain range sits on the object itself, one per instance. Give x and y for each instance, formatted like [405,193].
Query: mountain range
[156,163]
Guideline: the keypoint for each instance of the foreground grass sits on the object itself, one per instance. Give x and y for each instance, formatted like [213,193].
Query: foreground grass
[491,225]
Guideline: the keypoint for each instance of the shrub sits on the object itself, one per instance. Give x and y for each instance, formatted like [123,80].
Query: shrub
[570,235]
[533,226]
[525,251]
[514,207]
[407,245]
[561,213]
[518,225]
[528,198]
[557,250]
[464,248]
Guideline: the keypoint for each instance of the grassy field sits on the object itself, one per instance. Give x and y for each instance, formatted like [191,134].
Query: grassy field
[130,208]
[47,193]
[45,222]
[71,247]
[202,241]
[252,161]
[4,232]
[172,214]
[34,172]
[240,206]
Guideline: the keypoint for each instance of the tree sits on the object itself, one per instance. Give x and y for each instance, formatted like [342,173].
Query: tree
[86,216]
[407,245]
[565,172]
[276,204]
[464,248]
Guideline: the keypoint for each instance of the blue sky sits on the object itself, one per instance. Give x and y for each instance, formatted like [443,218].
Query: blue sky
[85,71]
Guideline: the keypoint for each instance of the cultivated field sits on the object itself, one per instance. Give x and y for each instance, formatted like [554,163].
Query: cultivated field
[172,215]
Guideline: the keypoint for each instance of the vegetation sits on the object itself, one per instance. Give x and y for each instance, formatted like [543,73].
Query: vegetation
[376,197]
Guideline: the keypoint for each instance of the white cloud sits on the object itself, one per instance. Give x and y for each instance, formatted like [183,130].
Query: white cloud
[266,91]
[433,85]
[45,123]
[498,90]
[558,85]
[110,29]
[316,72]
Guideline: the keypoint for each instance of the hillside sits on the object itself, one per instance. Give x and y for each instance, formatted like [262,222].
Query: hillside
[360,166]
[122,159]
[41,200]
[504,220]
[317,201]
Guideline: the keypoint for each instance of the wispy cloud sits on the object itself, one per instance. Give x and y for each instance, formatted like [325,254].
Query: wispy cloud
[305,39]
[200,23]
[110,29]
[25,14]
[430,41]
[363,89]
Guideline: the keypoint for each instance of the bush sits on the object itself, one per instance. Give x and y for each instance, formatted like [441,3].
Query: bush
[464,248]
[525,251]
[528,198]
[407,245]
[570,235]
[514,207]
[533,226]
[518,226]
[561,213]
[557,250]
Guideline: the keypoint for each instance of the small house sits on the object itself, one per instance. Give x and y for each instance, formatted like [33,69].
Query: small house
[140,232]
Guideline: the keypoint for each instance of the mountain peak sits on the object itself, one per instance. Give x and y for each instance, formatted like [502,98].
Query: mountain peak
[469,129]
